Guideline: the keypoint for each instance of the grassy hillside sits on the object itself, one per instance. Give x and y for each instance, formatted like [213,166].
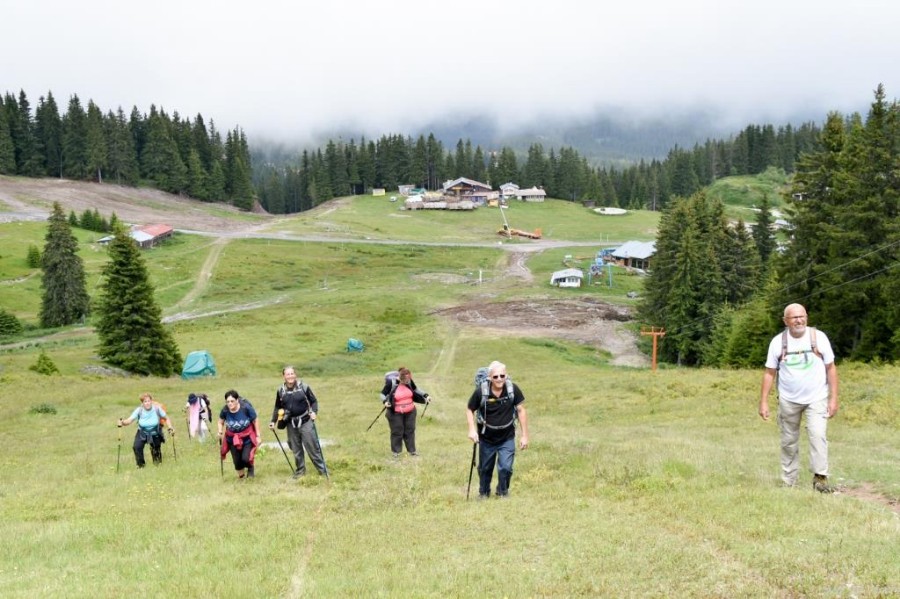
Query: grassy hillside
[635,484]
[744,193]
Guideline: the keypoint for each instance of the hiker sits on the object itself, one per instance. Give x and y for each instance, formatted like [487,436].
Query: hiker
[199,415]
[802,361]
[296,408]
[400,396]
[239,433]
[492,412]
[150,418]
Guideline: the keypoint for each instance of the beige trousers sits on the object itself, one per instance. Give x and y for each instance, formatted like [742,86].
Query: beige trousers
[789,415]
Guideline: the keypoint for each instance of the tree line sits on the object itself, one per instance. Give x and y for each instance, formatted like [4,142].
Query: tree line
[184,156]
[174,154]
[347,168]
[720,302]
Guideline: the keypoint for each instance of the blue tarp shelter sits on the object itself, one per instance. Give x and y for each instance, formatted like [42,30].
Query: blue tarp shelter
[198,363]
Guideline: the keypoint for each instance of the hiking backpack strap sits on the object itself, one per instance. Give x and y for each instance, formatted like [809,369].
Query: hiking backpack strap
[486,394]
[812,344]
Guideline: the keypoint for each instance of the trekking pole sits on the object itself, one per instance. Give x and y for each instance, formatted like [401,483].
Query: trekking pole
[377,417]
[427,403]
[174,453]
[471,469]
[319,447]
[282,450]
[221,457]
[119,452]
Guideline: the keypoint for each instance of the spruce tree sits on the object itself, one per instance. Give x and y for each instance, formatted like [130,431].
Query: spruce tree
[762,233]
[48,130]
[131,333]
[96,150]
[121,156]
[7,148]
[846,215]
[9,324]
[74,140]
[65,299]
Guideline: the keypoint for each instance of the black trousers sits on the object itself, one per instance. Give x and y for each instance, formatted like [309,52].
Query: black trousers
[152,438]
[241,457]
[403,430]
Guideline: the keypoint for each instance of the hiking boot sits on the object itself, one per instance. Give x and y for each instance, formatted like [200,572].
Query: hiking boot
[298,474]
[820,484]
[396,455]
[415,454]
[251,473]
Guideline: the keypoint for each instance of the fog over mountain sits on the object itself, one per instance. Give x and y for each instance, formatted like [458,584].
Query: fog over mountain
[488,70]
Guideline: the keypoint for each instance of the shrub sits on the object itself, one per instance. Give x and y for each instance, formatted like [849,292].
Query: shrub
[44,365]
[43,408]
[9,324]
[34,257]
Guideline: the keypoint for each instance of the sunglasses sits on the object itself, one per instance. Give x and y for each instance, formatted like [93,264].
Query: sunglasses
[498,377]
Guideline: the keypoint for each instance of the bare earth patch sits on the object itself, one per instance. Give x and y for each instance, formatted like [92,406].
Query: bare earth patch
[584,320]
[32,199]
[867,492]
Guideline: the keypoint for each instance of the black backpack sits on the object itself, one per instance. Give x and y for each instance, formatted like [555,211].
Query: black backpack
[483,383]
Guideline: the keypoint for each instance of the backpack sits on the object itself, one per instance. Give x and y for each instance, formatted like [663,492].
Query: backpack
[392,378]
[164,422]
[483,382]
[784,343]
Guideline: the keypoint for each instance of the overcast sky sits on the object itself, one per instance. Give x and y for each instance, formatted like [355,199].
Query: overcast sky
[285,68]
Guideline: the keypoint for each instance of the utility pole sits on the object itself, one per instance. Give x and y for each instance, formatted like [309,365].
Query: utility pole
[661,332]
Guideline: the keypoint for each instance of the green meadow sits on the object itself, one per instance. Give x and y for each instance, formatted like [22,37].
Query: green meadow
[377,218]
[636,483]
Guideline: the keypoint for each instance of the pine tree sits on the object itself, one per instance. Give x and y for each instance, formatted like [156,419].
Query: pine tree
[33,258]
[846,233]
[74,140]
[196,177]
[65,299]
[9,324]
[131,333]
[121,156]
[7,149]
[95,143]
[160,160]
[48,130]
[697,269]
[763,236]
[479,173]
[29,157]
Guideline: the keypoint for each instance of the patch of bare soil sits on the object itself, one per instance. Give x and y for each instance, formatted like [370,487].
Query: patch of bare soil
[440,277]
[867,492]
[32,199]
[584,320]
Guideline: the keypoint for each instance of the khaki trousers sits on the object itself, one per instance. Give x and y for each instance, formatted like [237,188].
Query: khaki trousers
[789,415]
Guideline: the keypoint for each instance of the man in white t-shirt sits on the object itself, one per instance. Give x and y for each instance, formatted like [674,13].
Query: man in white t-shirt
[802,361]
